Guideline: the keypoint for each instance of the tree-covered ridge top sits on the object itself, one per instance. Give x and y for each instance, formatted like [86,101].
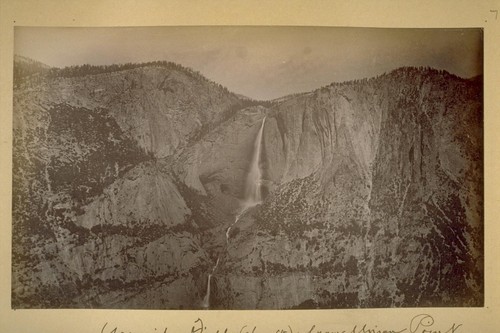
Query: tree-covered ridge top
[35,67]
[86,69]
[405,72]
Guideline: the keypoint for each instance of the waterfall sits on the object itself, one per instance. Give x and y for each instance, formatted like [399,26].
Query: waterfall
[206,299]
[253,184]
[253,194]
[244,209]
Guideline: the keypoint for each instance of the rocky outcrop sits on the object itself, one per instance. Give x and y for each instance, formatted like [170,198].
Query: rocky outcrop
[143,197]
[160,107]
[217,164]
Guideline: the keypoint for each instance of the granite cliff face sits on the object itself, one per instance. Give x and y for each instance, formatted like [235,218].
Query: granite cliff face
[127,179]
[92,188]
[383,210]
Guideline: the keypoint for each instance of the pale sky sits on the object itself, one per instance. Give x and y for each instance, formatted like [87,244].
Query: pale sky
[261,62]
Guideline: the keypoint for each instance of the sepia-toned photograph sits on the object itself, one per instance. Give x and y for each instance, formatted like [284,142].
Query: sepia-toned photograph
[238,167]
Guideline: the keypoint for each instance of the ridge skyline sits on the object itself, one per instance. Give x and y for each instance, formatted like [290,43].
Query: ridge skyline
[178,66]
[262,63]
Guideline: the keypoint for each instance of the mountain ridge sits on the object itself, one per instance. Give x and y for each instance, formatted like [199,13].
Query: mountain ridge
[87,69]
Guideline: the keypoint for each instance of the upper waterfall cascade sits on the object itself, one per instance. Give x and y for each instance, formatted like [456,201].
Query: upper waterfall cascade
[253,190]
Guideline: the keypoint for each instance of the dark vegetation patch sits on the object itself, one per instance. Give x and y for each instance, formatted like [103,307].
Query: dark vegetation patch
[60,167]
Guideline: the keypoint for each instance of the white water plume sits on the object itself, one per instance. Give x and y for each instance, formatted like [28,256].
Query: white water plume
[206,299]
[253,191]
